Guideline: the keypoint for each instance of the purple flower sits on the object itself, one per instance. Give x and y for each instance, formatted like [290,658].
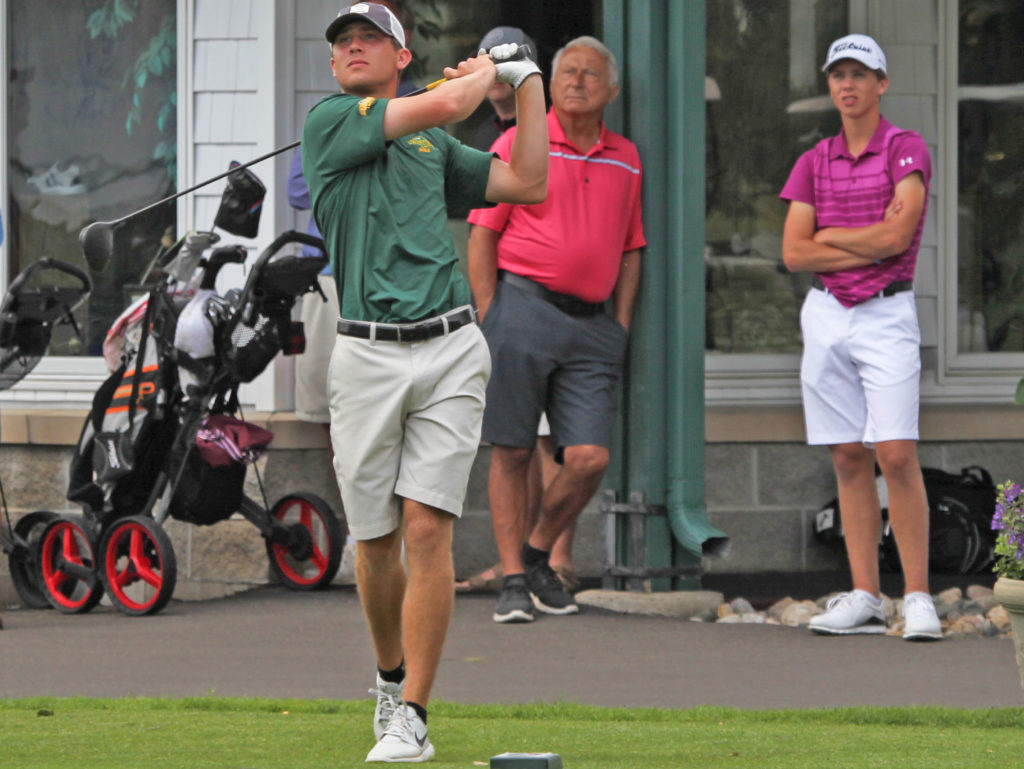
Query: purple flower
[1012,492]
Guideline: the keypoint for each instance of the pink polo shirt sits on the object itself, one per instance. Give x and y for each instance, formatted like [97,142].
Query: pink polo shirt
[573,242]
[854,192]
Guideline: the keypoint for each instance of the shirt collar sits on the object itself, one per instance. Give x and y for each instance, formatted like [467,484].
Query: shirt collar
[556,135]
[838,147]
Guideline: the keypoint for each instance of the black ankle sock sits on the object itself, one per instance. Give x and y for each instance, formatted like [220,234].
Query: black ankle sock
[395,676]
[532,556]
[420,710]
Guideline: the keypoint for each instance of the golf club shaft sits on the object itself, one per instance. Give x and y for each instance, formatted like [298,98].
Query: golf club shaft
[211,180]
[252,162]
[97,239]
[261,158]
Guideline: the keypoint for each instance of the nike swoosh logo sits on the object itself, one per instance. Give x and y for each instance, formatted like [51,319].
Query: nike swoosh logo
[421,741]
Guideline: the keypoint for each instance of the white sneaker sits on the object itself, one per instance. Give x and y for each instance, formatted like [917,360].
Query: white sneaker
[920,622]
[404,741]
[850,613]
[389,697]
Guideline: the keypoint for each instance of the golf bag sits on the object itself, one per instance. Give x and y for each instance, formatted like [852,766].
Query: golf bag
[960,506]
[127,435]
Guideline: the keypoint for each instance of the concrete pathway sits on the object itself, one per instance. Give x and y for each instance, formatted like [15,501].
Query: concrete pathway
[270,642]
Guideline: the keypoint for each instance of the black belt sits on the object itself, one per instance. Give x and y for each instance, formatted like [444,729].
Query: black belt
[408,332]
[896,287]
[568,304]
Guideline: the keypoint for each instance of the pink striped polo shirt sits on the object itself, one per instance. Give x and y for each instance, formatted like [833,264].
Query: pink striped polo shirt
[573,242]
[848,191]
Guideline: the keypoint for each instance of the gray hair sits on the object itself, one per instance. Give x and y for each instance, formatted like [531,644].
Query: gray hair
[590,42]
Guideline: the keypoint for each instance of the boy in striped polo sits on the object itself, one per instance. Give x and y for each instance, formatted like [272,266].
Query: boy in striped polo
[857,209]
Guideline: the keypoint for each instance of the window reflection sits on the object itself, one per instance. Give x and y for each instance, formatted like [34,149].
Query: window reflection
[767,103]
[990,216]
[91,131]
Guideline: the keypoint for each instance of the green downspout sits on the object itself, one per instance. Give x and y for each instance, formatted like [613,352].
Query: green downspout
[661,48]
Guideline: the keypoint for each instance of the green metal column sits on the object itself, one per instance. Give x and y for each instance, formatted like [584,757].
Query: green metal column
[661,48]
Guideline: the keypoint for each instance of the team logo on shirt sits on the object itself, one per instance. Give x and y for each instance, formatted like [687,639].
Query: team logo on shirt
[907,161]
[423,145]
[365,104]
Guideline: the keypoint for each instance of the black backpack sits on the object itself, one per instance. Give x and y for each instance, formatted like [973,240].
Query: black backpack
[961,540]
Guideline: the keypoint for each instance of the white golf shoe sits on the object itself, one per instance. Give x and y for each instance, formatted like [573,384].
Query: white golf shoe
[404,741]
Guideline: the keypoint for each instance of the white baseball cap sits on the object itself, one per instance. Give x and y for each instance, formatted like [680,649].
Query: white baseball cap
[378,15]
[860,47]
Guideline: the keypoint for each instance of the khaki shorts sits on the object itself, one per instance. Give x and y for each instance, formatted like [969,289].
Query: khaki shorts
[405,424]
[320,323]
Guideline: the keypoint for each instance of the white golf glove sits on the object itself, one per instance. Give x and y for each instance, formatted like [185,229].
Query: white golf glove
[511,71]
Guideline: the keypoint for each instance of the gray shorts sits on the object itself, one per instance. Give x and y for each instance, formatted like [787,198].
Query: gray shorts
[544,360]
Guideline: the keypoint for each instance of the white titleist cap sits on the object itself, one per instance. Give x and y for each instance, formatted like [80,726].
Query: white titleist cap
[860,47]
[379,15]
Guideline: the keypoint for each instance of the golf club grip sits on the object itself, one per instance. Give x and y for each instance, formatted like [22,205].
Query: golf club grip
[523,52]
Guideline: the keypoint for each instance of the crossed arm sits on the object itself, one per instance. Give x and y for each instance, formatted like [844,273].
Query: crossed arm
[839,248]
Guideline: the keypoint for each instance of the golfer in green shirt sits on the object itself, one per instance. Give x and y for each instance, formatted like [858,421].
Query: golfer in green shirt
[409,367]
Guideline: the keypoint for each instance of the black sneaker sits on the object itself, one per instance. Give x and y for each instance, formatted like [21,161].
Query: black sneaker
[514,604]
[549,595]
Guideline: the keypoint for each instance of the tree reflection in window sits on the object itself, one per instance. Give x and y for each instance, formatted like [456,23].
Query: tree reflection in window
[91,125]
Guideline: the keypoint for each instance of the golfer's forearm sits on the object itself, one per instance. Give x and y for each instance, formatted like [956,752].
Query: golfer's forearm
[452,101]
[529,154]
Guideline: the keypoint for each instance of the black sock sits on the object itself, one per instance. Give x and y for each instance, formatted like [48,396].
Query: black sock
[395,676]
[534,557]
[420,710]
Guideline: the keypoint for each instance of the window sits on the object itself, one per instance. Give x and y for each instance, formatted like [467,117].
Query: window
[990,172]
[91,136]
[767,102]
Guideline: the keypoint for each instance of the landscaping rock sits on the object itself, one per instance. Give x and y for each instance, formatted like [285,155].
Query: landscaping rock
[999,617]
[978,592]
[742,606]
[799,614]
[776,609]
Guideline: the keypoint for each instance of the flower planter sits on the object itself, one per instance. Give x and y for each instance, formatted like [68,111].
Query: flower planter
[1010,594]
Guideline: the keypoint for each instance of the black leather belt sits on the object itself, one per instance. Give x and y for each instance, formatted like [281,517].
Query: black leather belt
[408,332]
[896,287]
[568,304]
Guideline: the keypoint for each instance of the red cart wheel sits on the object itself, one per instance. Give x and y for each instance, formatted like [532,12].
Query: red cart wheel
[67,566]
[308,554]
[138,569]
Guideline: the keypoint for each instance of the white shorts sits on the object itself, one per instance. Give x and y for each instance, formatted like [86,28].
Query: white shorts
[405,423]
[320,323]
[861,369]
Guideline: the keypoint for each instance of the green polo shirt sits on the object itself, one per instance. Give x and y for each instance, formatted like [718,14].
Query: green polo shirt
[382,208]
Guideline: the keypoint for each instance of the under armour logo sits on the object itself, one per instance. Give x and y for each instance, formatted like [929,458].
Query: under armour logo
[907,161]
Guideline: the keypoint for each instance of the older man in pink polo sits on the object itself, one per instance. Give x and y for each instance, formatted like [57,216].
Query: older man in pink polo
[541,275]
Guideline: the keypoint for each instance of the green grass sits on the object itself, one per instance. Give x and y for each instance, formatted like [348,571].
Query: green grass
[293,734]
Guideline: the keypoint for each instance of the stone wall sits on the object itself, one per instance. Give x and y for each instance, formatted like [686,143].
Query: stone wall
[764,495]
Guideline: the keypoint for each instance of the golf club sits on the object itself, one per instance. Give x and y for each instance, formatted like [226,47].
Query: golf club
[97,239]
